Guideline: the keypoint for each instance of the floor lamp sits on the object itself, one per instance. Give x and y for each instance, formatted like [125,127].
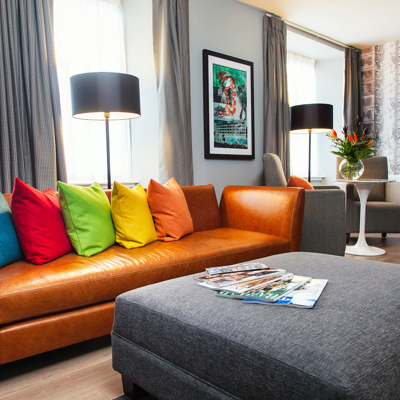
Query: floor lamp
[105,96]
[311,118]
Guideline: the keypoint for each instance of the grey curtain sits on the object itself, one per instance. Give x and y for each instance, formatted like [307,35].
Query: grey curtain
[352,105]
[31,146]
[276,103]
[172,64]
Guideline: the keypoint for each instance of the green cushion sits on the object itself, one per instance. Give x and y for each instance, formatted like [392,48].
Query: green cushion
[87,217]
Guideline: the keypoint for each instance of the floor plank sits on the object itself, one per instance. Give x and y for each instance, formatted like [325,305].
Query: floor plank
[112,388]
[67,385]
[92,394]
[25,373]
[84,371]
[391,244]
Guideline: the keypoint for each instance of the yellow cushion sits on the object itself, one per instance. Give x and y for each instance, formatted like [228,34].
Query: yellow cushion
[134,226]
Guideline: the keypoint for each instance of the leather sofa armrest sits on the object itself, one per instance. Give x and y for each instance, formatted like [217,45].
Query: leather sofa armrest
[392,192]
[271,210]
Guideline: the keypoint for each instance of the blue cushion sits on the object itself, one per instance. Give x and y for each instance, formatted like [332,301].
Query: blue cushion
[9,246]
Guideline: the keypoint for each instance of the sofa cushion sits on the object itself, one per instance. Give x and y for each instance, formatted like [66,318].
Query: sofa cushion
[134,226]
[9,246]
[87,216]
[38,223]
[203,206]
[27,291]
[170,210]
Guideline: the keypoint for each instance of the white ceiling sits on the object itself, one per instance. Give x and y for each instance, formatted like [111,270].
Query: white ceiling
[360,23]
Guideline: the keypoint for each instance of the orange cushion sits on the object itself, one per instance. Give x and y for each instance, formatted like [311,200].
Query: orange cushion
[296,181]
[169,209]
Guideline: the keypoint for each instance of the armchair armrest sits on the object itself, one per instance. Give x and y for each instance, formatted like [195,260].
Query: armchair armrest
[324,228]
[326,187]
[272,210]
[392,192]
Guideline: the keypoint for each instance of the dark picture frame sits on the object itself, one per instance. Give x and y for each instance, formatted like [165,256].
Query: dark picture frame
[228,95]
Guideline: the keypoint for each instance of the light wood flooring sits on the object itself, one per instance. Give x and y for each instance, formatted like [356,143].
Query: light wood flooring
[84,371]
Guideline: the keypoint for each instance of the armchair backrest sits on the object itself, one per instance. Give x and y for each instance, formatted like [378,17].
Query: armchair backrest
[273,171]
[374,168]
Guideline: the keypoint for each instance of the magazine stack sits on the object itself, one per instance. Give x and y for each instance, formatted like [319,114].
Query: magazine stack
[255,282]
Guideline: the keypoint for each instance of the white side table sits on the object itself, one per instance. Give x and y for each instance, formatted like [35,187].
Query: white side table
[361,248]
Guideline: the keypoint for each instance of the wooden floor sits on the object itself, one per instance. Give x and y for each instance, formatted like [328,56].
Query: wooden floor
[84,371]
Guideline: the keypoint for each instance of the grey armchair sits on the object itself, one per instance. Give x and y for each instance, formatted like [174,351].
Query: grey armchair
[324,227]
[383,204]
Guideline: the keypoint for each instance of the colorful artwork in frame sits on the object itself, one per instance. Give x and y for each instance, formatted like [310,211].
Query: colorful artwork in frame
[228,90]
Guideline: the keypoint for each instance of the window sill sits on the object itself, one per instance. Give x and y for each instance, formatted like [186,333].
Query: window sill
[103,184]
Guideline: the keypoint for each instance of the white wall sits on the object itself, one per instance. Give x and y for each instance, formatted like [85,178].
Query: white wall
[330,84]
[139,55]
[230,28]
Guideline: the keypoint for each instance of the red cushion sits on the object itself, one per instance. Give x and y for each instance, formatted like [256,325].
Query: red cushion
[296,181]
[38,223]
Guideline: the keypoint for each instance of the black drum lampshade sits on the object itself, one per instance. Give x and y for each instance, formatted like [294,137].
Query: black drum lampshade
[105,96]
[311,118]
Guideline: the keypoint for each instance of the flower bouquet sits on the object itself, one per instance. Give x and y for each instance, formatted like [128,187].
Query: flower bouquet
[353,148]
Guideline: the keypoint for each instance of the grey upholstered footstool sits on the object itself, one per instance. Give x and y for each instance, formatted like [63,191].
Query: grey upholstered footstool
[177,340]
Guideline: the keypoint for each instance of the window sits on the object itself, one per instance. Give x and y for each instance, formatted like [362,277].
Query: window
[302,90]
[89,37]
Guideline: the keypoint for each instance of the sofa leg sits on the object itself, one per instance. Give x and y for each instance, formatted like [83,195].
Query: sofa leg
[347,238]
[132,390]
[384,234]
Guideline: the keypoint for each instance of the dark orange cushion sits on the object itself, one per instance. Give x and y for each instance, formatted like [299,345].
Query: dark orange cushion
[296,181]
[169,209]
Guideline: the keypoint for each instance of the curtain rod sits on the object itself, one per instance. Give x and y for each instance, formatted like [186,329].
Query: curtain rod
[310,32]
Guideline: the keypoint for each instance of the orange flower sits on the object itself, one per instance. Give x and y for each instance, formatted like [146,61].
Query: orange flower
[369,142]
[350,138]
[333,133]
[355,137]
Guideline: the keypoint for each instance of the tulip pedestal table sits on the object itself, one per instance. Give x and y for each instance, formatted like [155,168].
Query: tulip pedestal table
[361,248]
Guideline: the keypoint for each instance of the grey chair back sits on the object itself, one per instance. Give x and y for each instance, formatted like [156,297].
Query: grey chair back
[273,171]
[374,168]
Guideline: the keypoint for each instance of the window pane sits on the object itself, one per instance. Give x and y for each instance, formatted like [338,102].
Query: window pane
[302,90]
[89,37]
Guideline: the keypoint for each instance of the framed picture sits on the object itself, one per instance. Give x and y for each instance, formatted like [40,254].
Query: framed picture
[228,86]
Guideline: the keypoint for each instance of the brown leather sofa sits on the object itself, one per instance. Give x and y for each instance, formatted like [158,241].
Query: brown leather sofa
[71,299]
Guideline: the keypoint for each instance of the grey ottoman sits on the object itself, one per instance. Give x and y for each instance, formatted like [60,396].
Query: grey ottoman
[177,340]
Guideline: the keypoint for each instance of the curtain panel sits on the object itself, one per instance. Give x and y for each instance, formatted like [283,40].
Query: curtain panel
[172,65]
[352,105]
[276,103]
[31,145]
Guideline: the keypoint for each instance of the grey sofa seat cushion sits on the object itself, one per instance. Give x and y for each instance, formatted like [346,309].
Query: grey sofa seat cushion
[347,347]
[381,216]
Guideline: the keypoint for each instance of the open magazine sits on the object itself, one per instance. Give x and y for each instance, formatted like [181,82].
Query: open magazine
[222,280]
[304,297]
[236,268]
[271,293]
[246,286]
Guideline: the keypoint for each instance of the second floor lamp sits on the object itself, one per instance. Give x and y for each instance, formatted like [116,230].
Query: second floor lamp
[311,118]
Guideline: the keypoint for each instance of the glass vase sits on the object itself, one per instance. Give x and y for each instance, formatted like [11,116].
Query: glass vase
[351,171]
